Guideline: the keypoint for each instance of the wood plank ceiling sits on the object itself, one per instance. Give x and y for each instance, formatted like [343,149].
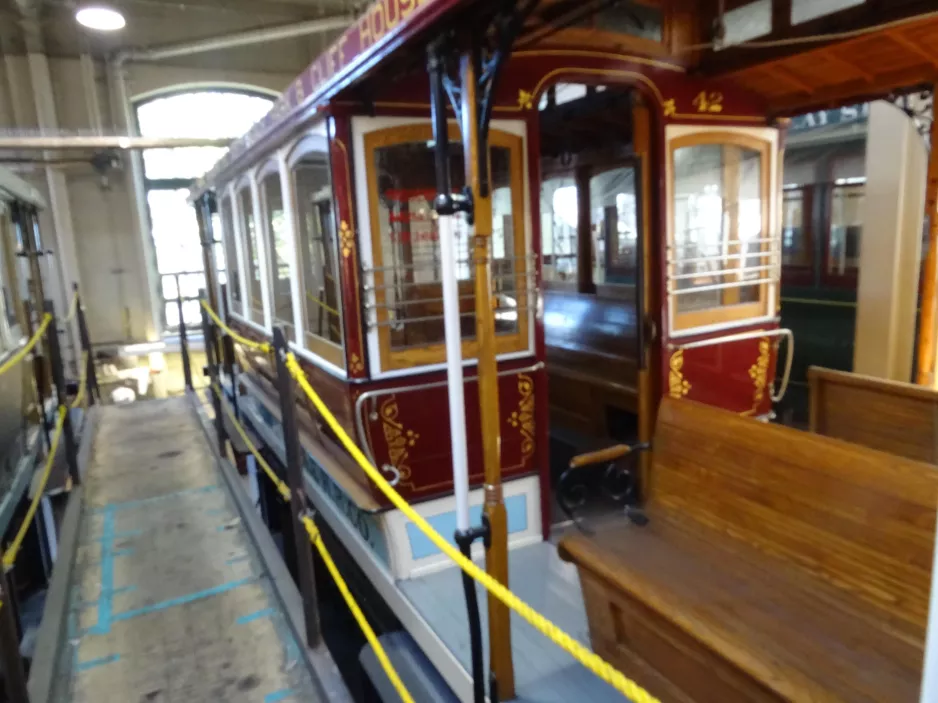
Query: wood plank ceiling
[873,65]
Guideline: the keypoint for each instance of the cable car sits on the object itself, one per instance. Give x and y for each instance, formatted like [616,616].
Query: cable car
[631,214]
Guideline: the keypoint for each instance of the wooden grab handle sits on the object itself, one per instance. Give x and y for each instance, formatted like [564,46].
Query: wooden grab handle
[600,456]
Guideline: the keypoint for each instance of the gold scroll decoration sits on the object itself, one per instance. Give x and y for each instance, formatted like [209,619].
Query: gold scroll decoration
[678,386]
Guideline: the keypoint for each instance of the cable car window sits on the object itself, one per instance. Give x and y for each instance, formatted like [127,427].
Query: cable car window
[231,257]
[408,301]
[614,224]
[804,10]
[843,255]
[796,237]
[318,252]
[252,260]
[278,246]
[720,255]
[559,229]
[9,300]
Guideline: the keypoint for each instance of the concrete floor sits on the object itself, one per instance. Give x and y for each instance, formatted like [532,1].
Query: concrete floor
[169,602]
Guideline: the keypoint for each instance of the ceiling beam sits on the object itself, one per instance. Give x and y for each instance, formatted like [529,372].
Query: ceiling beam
[913,46]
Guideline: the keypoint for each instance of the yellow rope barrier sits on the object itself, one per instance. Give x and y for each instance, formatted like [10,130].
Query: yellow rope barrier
[260,346]
[28,347]
[316,539]
[13,550]
[72,308]
[382,656]
[324,306]
[587,658]
[282,488]
[82,382]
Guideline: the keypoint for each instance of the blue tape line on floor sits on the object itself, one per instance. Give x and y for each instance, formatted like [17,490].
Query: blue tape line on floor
[100,661]
[280,695]
[146,501]
[250,617]
[183,600]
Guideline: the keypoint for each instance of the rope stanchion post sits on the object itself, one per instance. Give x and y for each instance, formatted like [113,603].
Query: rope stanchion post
[14,672]
[183,341]
[208,334]
[58,379]
[298,504]
[92,376]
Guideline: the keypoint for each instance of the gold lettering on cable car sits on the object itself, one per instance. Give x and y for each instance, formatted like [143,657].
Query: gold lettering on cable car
[678,387]
[709,102]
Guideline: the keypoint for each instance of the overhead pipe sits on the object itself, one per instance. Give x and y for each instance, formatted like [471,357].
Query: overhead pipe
[230,41]
[21,142]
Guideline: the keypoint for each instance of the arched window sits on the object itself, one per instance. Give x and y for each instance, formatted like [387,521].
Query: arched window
[213,114]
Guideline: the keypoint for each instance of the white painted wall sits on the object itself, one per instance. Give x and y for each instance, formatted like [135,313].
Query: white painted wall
[115,264]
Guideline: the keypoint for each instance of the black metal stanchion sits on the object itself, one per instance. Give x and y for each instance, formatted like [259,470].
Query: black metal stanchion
[184,344]
[464,540]
[14,672]
[91,374]
[58,379]
[208,335]
[298,504]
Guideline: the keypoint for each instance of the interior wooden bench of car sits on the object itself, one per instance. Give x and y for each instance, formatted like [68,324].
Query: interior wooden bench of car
[772,565]
[895,417]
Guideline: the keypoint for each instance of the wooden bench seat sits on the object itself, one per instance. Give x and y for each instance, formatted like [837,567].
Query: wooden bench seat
[899,418]
[775,565]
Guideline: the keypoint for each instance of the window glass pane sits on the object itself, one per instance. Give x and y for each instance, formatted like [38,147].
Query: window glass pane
[231,256]
[175,231]
[249,228]
[411,298]
[558,229]
[846,229]
[279,247]
[748,22]
[804,10]
[614,223]
[796,247]
[718,225]
[316,233]
[10,299]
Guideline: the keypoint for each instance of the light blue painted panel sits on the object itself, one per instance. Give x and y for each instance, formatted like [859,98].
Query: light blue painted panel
[445,524]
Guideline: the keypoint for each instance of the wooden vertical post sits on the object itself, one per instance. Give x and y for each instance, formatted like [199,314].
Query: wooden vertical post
[294,457]
[208,336]
[925,375]
[183,341]
[58,378]
[91,378]
[496,555]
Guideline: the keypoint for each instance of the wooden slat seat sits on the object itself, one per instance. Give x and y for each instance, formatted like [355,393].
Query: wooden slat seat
[776,565]
[899,418]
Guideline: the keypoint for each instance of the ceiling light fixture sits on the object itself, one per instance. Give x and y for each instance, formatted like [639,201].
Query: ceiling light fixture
[103,19]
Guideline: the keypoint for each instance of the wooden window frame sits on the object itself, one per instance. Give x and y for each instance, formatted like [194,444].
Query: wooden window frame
[800,274]
[326,349]
[684,322]
[436,353]
[244,188]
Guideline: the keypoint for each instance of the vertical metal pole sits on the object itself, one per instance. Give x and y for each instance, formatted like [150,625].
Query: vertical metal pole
[291,440]
[208,335]
[183,341]
[58,378]
[15,674]
[91,373]
[476,155]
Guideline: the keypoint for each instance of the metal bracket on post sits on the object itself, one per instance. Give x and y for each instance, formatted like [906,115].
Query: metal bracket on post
[298,502]
[14,672]
[58,379]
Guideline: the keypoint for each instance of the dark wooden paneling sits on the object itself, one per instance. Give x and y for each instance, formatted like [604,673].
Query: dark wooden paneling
[777,565]
[899,418]
[591,358]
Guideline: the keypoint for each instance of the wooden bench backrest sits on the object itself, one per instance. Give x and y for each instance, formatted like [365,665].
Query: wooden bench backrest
[859,520]
[899,418]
